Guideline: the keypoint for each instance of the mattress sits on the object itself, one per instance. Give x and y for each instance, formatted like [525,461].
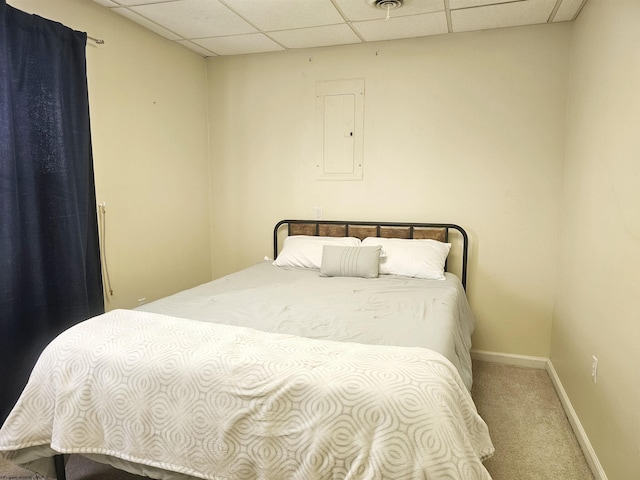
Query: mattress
[388,310]
[171,398]
[270,372]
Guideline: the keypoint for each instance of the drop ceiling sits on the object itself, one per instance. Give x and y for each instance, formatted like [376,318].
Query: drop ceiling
[235,27]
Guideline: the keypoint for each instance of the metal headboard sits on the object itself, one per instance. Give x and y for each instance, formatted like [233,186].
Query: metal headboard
[361,229]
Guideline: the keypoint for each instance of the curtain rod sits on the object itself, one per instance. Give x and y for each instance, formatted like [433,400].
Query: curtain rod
[99,41]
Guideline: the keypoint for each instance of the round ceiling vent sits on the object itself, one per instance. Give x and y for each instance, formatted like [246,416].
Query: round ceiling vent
[385,4]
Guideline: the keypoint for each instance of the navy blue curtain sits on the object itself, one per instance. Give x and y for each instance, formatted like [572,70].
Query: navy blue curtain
[50,276]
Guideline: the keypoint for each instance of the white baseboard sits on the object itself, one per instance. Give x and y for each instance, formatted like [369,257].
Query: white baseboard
[510,359]
[581,435]
[545,364]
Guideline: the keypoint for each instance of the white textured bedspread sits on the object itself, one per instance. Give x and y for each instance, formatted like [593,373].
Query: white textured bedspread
[226,402]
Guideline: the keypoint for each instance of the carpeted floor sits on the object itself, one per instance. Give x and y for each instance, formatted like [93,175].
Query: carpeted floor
[529,429]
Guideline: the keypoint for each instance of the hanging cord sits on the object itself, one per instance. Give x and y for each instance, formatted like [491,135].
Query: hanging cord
[103,246]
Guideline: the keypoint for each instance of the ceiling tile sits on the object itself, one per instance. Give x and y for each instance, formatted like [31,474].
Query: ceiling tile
[128,3]
[503,15]
[568,9]
[456,4]
[196,18]
[360,10]
[316,36]
[146,23]
[239,44]
[196,48]
[403,27]
[286,14]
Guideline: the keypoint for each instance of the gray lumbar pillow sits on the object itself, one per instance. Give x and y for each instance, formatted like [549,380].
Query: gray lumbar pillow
[341,261]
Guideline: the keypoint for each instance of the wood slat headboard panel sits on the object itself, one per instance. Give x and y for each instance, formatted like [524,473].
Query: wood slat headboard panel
[361,230]
[303,229]
[338,230]
[439,234]
[396,232]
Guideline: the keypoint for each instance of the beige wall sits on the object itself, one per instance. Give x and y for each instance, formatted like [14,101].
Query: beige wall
[466,128]
[598,290]
[149,128]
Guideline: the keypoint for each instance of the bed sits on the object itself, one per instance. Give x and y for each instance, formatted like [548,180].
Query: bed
[345,356]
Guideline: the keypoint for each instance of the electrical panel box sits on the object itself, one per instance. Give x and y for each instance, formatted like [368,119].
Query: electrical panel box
[339,129]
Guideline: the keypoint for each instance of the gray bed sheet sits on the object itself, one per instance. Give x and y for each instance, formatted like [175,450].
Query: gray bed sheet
[388,310]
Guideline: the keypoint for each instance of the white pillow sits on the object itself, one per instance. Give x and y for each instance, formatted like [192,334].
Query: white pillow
[306,251]
[411,258]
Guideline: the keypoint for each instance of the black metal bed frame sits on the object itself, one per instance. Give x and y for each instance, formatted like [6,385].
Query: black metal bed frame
[59,460]
[379,226]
